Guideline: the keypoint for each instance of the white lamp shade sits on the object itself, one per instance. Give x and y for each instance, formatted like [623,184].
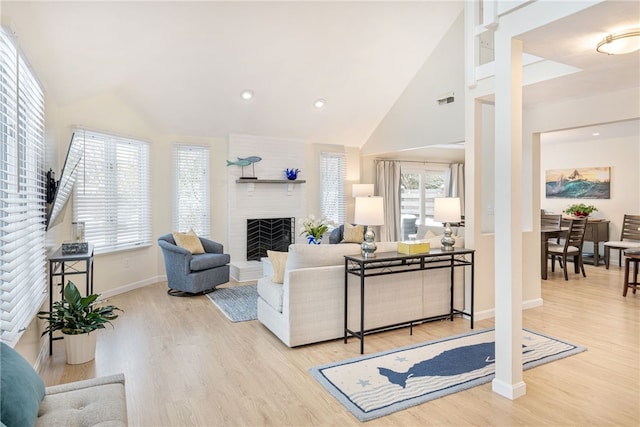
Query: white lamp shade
[369,211]
[446,209]
[362,190]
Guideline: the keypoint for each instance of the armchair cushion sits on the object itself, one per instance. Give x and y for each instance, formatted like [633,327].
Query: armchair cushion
[188,241]
[22,389]
[206,261]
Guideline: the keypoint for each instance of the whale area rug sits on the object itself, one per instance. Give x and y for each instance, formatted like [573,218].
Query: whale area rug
[375,385]
[238,303]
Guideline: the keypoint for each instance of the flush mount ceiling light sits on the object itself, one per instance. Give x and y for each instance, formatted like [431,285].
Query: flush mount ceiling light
[246,94]
[319,103]
[626,41]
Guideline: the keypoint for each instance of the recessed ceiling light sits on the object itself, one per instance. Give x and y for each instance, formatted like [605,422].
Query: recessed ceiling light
[246,94]
[319,103]
[595,134]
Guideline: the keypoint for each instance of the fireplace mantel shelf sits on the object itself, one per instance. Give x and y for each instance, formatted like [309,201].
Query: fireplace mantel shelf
[269,181]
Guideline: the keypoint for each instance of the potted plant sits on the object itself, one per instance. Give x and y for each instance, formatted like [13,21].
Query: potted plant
[76,317]
[580,210]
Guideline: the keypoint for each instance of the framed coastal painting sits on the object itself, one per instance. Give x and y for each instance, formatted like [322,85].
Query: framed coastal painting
[578,183]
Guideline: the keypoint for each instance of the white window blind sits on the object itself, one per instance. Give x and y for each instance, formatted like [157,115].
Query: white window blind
[191,189]
[333,172]
[22,228]
[111,195]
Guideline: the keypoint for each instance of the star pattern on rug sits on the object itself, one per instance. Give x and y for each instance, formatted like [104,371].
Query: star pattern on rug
[401,359]
[364,383]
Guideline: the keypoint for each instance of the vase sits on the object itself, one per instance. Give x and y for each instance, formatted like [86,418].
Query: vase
[80,348]
[292,174]
[313,241]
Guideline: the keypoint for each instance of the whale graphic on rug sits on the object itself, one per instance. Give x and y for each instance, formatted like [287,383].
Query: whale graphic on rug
[450,362]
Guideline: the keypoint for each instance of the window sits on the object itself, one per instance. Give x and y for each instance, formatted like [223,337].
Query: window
[111,195]
[332,178]
[191,189]
[420,186]
[22,192]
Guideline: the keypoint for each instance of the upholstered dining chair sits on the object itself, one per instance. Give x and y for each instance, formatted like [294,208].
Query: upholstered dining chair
[629,239]
[194,273]
[572,247]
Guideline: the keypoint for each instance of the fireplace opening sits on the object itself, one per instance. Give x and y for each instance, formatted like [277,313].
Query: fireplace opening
[273,234]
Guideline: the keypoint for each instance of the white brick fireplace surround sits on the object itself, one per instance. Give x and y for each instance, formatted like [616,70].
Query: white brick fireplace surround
[261,200]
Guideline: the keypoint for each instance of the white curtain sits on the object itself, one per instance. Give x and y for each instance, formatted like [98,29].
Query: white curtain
[456,183]
[388,186]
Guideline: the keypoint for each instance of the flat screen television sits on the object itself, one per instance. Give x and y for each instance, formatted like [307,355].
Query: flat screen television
[67,179]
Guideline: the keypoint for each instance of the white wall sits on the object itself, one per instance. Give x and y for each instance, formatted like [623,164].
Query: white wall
[621,154]
[416,119]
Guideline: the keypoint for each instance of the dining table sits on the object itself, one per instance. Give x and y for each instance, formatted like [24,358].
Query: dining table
[546,233]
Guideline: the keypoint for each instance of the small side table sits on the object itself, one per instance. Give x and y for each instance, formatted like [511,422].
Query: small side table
[631,256]
[67,265]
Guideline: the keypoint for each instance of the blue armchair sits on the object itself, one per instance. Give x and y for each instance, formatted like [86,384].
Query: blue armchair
[194,274]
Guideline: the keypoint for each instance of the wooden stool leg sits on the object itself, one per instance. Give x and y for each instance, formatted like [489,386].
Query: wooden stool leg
[635,274]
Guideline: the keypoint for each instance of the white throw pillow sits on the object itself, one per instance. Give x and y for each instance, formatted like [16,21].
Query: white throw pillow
[278,262]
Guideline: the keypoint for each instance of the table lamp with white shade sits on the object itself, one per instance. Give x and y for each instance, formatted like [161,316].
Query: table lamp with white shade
[447,210]
[370,212]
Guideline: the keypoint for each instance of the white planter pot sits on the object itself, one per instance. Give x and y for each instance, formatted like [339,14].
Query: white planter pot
[80,348]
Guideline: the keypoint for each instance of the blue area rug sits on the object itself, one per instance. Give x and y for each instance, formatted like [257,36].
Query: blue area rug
[238,303]
[375,385]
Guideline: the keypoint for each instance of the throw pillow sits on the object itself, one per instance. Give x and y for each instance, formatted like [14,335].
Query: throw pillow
[429,234]
[353,233]
[278,262]
[22,389]
[188,241]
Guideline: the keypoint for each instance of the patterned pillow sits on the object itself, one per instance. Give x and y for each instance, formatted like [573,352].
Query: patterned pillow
[188,241]
[353,233]
[278,262]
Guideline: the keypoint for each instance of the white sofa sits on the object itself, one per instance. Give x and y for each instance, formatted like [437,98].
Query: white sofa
[309,306]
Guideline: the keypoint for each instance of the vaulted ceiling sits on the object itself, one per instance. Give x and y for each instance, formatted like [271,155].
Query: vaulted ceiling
[182,65]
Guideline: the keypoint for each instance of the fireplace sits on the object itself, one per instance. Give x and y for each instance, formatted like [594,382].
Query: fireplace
[274,234]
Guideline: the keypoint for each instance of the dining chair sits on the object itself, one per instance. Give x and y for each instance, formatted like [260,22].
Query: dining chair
[551,220]
[572,247]
[629,238]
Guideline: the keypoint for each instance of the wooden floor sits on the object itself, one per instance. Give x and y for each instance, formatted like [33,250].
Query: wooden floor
[187,365]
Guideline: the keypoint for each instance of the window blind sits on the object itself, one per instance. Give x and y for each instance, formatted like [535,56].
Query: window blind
[111,195]
[191,189]
[22,228]
[332,177]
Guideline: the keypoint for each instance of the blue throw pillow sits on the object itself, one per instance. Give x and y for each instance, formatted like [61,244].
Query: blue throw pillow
[22,389]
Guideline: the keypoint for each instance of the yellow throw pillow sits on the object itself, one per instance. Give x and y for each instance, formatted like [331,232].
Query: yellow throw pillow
[188,241]
[353,233]
[278,262]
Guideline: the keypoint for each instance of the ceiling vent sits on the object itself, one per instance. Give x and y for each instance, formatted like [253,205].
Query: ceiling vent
[446,98]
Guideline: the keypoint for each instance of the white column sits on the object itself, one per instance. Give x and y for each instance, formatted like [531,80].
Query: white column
[508,218]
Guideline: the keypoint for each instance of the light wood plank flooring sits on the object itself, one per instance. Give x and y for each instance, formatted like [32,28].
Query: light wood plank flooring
[187,365]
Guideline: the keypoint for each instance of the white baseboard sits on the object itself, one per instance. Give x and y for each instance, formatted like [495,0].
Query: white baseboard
[510,391]
[132,286]
[490,314]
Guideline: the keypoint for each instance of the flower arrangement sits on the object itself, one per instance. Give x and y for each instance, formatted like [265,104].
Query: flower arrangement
[580,210]
[315,227]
